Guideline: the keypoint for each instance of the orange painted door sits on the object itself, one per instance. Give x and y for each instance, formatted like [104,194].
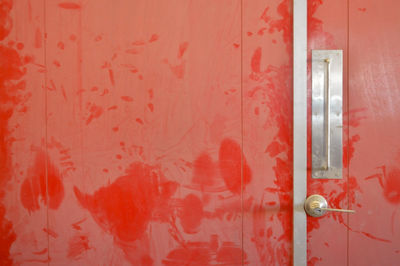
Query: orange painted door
[154,132]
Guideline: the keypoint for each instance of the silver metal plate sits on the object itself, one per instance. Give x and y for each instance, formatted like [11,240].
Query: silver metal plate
[327,98]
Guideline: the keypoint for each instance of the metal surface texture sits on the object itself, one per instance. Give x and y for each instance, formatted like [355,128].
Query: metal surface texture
[299,131]
[327,125]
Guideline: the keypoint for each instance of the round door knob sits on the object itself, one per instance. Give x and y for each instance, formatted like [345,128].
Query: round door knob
[316,206]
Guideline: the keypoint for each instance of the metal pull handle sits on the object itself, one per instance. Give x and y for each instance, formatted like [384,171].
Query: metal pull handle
[327,122]
[316,206]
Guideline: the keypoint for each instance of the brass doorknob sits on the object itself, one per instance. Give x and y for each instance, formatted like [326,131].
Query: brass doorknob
[316,206]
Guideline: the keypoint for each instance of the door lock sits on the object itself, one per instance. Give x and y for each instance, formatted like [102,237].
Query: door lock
[316,206]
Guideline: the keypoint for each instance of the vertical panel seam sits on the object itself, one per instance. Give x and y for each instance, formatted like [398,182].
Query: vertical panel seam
[242,131]
[45,128]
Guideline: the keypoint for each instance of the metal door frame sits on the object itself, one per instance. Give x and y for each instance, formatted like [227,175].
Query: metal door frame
[299,132]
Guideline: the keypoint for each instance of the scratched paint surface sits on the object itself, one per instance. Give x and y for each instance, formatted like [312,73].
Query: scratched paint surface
[160,133]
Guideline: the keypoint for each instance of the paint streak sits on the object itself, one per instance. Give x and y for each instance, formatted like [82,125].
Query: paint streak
[375,238]
[230,165]
[125,207]
[127,98]
[44,251]
[94,112]
[182,49]
[256,60]
[111,76]
[69,5]
[191,214]
[37,187]
[77,226]
[77,245]
[50,232]
[206,253]
[153,38]
[151,107]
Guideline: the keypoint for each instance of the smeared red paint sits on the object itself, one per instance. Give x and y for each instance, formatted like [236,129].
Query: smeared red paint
[36,186]
[191,214]
[146,260]
[69,5]
[127,98]
[77,245]
[275,148]
[60,45]
[389,181]
[94,112]
[50,232]
[77,226]
[140,121]
[204,170]
[178,70]
[362,9]
[43,251]
[111,76]
[261,31]
[375,238]
[20,46]
[151,107]
[5,22]
[314,26]
[125,207]
[230,165]
[11,71]
[182,49]
[206,253]
[56,63]
[392,186]
[256,60]
[272,88]
[153,38]
[264,15]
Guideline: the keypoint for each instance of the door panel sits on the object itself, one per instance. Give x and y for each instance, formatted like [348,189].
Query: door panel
[374,99]
[267,130]
[327,235]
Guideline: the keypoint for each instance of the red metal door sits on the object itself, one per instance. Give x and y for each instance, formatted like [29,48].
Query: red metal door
[368,33]
[160,133]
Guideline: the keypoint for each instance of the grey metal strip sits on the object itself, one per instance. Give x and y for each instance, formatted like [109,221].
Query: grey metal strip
[299,132]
